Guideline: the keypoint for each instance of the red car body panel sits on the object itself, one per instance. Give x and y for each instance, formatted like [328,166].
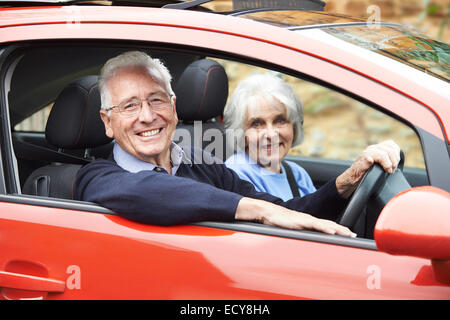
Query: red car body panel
[120,259]
[92,255]
[432,236]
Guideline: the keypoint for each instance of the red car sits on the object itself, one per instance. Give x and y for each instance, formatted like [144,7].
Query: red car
[359,83]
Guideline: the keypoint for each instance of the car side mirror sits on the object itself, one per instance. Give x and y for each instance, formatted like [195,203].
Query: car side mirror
[416,223]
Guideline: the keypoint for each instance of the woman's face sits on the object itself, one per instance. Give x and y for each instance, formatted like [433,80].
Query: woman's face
[268,133]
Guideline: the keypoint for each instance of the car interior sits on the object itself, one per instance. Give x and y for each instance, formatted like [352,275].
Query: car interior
[66,75]
[74,123]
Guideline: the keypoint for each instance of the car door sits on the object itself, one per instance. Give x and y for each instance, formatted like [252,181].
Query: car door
[57,253]
[67,249]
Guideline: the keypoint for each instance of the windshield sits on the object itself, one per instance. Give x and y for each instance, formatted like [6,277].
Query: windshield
[423,53]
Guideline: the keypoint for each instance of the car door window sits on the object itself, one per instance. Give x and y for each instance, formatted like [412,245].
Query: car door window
[36,122]
[339,127]
[336,126]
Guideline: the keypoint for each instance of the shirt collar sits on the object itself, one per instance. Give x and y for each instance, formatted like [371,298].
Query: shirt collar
[132,164]
[244,158]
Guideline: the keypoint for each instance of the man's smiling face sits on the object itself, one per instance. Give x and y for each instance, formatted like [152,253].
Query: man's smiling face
[148,134]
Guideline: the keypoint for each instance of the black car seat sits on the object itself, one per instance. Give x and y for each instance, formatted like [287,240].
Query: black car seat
[202,91]
[74,122]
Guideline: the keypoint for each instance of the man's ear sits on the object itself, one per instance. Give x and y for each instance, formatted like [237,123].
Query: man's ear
[175,109]
[107,122]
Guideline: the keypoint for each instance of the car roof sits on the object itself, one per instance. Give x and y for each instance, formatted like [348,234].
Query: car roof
[301,13]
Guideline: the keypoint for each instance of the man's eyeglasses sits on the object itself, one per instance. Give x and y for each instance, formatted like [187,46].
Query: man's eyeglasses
[157,102]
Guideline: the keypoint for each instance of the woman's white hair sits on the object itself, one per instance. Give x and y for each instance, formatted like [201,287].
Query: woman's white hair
[132,59]
[250,91]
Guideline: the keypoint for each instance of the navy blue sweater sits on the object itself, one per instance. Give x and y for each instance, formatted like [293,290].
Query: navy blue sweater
[198,192]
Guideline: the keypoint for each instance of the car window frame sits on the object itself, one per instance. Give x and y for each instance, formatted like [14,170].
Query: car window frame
[9,177]
[240,226]
[2,134]
[272,231]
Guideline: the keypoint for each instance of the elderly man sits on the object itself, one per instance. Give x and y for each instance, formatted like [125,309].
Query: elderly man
[150,179]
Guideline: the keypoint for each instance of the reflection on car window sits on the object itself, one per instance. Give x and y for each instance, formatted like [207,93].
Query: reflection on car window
[336,126]
[415,50]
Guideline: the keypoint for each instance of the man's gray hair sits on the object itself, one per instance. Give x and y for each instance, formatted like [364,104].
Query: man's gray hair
[132,59]
[255,87]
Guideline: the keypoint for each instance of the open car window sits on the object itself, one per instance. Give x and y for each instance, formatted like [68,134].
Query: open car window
[337,127]
[36,122]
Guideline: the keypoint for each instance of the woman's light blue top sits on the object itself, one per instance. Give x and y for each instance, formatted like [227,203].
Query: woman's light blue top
[265,180]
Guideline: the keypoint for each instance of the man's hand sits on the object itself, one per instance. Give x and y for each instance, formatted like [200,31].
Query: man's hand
[268,213]
[386,153]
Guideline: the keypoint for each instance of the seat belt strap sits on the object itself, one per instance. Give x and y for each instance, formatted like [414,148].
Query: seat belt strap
[290,176]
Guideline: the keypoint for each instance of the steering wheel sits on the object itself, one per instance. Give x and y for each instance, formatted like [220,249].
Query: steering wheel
[376,184]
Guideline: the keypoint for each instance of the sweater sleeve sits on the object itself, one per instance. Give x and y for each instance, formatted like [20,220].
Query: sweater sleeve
[325,203]
[152,197]
[162,199]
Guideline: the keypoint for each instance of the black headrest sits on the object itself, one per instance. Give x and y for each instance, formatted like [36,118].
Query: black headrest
[74,121]
[201,91]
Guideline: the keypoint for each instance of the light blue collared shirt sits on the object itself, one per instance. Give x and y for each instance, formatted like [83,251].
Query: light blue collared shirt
[265,180]
[132,164]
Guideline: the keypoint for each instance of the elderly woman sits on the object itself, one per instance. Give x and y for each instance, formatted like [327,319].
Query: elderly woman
[266,118]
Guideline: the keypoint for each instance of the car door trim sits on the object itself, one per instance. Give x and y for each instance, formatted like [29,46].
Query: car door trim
[239,226]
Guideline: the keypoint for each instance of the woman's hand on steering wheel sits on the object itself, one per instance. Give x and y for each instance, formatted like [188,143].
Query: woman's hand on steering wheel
[386,154]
